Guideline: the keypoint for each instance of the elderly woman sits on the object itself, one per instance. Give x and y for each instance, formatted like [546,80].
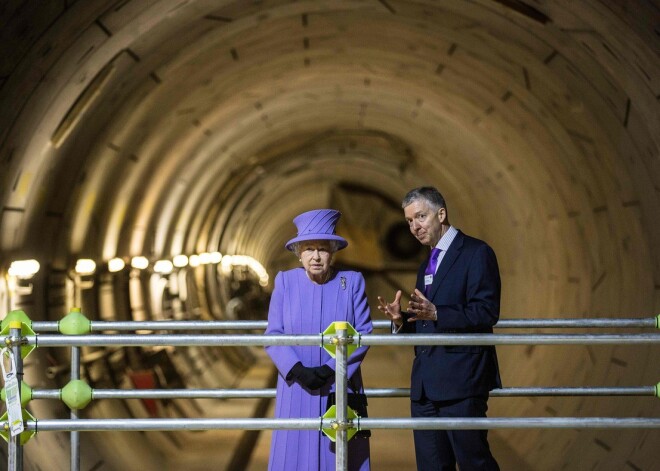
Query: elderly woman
[305,301]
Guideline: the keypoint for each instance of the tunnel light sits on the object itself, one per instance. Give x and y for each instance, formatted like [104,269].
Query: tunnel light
[193,261]
[139,262]
[180,261]
[164,267]
[215,257]
[229,261]
[24,269]
[204,258]
[226,264]
[116,264]
[85,266]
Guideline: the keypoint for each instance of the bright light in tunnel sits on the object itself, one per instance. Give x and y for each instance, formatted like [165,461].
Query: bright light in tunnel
[180,261]
[164,267]
[194,260]
[115,265]
[85,266]
[215,257]
[24,269]
[226,264]
[229,261]
[139,262]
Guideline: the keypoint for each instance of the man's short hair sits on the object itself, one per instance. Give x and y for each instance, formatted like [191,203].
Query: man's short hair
[427,193]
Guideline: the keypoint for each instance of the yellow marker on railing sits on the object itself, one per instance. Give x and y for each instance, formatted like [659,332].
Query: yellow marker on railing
[350,427]
[25,435]
[17,319]
[351,333]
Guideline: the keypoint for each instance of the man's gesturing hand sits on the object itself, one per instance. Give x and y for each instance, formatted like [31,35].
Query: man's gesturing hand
[393,309]
[421,308]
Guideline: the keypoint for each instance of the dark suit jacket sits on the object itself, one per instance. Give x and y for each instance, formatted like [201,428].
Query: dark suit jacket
[466,292]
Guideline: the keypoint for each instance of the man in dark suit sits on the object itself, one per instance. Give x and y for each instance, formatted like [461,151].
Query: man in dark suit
[457,291]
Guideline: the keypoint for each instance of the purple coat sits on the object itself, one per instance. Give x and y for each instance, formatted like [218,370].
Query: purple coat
[299,306]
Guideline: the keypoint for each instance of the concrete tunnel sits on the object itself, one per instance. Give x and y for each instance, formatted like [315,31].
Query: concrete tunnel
[180,127]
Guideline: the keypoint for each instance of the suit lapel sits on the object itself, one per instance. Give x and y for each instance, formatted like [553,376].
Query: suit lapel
[420,275]
[447,261]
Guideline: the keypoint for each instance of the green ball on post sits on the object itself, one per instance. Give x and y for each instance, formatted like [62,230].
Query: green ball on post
[77,394]
[75,323]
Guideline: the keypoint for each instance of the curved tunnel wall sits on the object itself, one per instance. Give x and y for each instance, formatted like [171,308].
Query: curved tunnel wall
[159,128]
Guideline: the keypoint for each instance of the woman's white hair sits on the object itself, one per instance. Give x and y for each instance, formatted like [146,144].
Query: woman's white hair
[334,246]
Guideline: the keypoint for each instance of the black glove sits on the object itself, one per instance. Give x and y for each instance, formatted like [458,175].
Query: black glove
[306,376]
[324,372]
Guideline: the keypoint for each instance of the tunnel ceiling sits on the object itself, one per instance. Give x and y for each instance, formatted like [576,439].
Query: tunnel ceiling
[158,125]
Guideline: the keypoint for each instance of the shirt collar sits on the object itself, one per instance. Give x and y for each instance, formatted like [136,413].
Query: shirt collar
[448,237]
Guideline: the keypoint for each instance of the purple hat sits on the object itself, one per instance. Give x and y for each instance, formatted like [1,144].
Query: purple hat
[318,224]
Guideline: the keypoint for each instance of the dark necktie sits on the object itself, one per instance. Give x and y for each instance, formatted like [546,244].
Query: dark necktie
[430,269]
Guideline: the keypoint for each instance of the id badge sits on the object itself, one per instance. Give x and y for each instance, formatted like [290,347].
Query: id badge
[428,280]
[12,396]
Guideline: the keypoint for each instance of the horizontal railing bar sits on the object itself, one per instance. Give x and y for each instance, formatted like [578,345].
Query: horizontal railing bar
[510,339]
[576,323]
[508,422]
[575,391]
[100,326]
[177,340]
[48,393]
[535,391]
[183,393]
[370,392]
[141,340]
[61,425]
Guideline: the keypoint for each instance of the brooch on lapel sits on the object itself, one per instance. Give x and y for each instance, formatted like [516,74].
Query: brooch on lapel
[342,282]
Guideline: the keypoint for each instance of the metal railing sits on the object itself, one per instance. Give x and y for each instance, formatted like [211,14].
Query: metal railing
[564,323]
[340,340]
[269,393]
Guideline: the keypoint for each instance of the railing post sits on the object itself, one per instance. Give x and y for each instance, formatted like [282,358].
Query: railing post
[74,323]
[15,451]
[75,435]
[341,445]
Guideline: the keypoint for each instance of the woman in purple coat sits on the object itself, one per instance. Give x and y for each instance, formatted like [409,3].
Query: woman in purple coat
[307,300]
